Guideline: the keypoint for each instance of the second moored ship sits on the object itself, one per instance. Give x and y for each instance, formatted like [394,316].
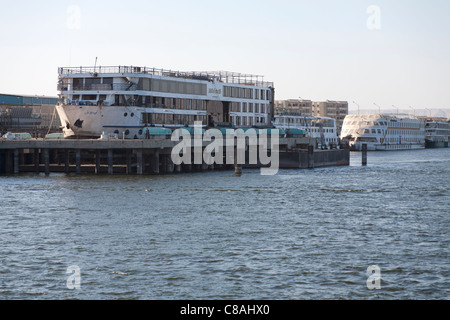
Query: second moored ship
[384,132]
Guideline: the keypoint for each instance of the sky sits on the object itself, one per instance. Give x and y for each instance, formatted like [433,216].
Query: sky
[392,54]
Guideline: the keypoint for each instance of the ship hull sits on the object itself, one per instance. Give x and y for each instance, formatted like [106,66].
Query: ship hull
[92,121]
[386,147]
[430,144]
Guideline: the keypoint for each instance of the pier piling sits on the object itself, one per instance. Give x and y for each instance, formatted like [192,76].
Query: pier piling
[364,154]
[155,162]
[36,160]
[8,162]
[237,166]
[139,160]
[46,161]
[310,157]
[66,161]
[110,162]
[78,161]
[16,160]
[128,160]
[97,161]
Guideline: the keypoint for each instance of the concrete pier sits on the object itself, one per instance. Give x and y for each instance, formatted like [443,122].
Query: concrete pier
[141,157]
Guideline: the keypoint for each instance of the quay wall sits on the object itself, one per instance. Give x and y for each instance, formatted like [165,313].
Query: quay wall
[149,156]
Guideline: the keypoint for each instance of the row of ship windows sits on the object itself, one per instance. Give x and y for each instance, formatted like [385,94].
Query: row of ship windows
[144,84]
[402,139]
[318,130]
[249,107]
[156,118]
[247,121]
[309,129]
[384,124]
[167,119]
[177,103]
[443,132]
[282,121]
[147,84]
[246,93]
[382,131]
[408,132]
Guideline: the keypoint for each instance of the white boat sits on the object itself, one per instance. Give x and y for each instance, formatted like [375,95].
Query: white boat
[383,132]
[16,136]
[322,128]
[437,132]
[124,101]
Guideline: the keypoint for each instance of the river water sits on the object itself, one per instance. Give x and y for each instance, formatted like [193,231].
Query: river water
[302,234]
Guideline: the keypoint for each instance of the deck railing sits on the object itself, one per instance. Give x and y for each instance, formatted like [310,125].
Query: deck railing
[213,76]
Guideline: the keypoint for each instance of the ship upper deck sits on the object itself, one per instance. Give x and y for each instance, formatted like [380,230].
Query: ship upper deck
[213,76]
[384,116]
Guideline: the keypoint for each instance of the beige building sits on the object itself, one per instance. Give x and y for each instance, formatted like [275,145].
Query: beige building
[300,107]
[295,107]
[331,109]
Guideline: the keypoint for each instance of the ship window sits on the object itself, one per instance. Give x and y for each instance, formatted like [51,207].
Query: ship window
[89,97]
[77,83]
[91,81]
[107,80]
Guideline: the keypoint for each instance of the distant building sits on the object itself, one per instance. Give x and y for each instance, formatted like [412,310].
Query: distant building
[298,107]
[26,112]
[331,109]
[26,100]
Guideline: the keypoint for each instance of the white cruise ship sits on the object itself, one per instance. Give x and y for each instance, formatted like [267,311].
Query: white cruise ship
[317,127]
[124,100]
[437,132]
[383,132]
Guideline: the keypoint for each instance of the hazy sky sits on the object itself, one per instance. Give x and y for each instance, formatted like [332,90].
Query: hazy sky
[393,52]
